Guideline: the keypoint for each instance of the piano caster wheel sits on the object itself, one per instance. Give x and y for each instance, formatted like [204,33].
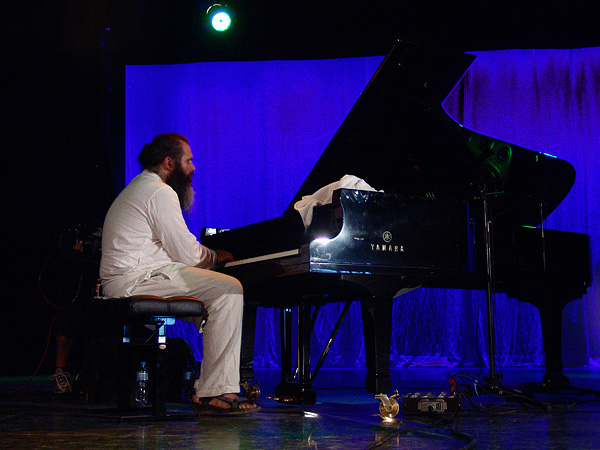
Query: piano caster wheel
[388,406]
[251,391]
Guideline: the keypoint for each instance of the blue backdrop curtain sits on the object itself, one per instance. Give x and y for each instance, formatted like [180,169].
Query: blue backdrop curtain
[257,128]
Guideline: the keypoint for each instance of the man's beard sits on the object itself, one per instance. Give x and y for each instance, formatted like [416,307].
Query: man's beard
[182,184]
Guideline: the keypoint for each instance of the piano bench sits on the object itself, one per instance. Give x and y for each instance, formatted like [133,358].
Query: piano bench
[146,312]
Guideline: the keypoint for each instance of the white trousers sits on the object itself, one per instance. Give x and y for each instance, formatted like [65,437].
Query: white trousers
[223,298]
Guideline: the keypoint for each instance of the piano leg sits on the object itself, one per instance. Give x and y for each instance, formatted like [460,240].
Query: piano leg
[377,330]
[285,318]
[248,337]
[288,391]
[549,297]
[550,301]
[304,332]
[551,321]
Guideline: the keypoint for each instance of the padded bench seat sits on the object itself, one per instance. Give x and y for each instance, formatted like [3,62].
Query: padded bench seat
[147,310]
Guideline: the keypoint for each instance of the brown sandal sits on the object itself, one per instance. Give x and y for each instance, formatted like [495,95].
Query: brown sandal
[203,407]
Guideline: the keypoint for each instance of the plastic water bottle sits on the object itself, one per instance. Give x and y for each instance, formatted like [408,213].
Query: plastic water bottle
[141,396]
[188,384]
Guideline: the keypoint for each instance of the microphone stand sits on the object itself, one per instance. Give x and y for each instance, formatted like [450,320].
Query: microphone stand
[490,284]
[493,380]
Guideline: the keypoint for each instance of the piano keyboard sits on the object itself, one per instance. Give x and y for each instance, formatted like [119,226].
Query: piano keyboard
[255,259]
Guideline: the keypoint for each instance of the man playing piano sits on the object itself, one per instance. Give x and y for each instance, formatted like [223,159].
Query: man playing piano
[147,249]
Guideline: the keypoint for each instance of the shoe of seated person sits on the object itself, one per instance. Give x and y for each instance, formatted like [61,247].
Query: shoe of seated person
[62,385]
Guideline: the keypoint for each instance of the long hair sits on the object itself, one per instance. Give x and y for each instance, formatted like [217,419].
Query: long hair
[163,145]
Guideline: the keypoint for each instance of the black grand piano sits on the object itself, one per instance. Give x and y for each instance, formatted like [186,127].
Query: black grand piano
[458,209]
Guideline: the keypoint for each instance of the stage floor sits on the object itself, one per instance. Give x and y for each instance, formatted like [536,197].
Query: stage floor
[344,417]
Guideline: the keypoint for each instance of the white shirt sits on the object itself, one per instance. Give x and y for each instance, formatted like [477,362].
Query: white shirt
[145,234]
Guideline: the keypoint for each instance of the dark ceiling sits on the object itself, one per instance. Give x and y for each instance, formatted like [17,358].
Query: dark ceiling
[153,31]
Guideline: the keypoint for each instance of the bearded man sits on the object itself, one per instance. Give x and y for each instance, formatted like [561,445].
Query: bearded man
[147,249]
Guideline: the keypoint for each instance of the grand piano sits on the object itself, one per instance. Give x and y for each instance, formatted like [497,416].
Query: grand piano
[458,209]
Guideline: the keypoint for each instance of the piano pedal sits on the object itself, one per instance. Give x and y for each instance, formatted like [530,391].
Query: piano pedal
[251,391]
[281,399]
[388,406]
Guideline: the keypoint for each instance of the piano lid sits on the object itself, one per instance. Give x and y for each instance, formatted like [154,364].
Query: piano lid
[399,138]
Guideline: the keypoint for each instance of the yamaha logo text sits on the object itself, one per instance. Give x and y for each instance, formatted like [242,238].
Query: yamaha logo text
[387,247]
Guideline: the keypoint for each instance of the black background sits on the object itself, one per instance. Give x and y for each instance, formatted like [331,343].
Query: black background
[63,108]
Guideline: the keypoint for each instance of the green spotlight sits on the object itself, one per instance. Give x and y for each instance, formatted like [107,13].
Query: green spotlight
[219,17]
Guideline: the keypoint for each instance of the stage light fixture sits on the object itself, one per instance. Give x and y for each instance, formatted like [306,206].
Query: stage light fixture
[219,16]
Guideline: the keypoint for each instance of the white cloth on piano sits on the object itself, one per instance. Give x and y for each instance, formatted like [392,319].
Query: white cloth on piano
[323,196]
